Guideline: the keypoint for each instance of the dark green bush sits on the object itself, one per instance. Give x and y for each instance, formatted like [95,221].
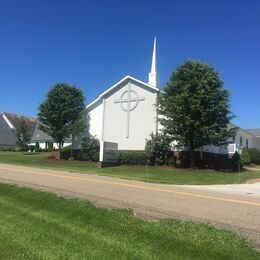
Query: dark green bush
[254,155]
[37,147]
[65,152]
[132,158]
[90,148]
[236,162]
[158,149]
[31,148]
[245,157]
[50,146]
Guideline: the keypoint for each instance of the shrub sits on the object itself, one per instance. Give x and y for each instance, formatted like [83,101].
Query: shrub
[245,157]
[236,162]
[132,158]
[158,149]
[31,148]
[37,147]
[254,155]
[90,148]
[65,152]
[50,147]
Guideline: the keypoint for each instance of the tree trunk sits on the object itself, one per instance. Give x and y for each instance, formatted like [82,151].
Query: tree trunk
[58,157]
[192,158]
[71,150]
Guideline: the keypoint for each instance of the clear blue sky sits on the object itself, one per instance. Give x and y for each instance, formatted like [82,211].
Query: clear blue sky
[93,44]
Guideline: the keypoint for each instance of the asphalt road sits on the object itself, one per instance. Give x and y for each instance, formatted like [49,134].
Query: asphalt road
[236,207]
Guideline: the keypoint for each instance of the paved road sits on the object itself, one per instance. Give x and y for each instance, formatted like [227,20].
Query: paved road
[234,206]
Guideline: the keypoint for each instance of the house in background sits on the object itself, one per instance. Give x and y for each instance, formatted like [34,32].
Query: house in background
[256,135]
[44,140]
[8,124]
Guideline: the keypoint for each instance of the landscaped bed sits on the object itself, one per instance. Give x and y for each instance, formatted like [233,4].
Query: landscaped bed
[142,173]
[39,225]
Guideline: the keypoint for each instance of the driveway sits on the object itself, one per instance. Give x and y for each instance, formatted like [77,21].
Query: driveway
[236,207]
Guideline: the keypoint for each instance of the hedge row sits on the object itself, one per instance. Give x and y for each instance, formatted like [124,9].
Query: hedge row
[254,155]
[208,160]
[132,158]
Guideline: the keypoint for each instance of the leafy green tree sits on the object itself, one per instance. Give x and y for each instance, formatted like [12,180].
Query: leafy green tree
[245,157]
[81,125]
[80,129]
[60,111]
[194,107]
[158,149]
[236,161]
[22,135]
[90,148]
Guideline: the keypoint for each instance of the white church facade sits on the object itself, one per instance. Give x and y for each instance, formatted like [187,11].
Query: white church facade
[126,112]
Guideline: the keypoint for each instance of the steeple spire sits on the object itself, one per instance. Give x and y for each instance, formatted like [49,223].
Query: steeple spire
[153,75]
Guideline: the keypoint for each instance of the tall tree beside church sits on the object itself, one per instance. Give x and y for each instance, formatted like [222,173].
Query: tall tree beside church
[194,107]
[61,111]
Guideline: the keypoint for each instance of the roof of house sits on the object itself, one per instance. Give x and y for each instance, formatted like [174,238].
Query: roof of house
[40,136]
[254,131]
[6,133]
[118,84]
[8,123]
[231,125]
[16,120]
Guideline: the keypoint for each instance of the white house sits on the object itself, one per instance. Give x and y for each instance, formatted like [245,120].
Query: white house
[8,124]
[44,140]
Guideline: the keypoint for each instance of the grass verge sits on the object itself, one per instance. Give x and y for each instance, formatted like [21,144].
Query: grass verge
[39,225]
[141,173]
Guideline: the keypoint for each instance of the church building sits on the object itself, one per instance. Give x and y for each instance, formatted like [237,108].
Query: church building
[126,112]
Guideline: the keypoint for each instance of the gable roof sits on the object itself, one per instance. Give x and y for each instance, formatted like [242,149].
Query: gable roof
[40,136]
[6,132]
[14,120]
[128,77]
[231,125]
[254,131]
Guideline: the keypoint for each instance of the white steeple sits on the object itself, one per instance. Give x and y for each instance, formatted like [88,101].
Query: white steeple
[153,75]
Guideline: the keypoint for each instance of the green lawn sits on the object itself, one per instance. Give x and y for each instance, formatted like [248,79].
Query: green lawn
[151,174]
[39,225]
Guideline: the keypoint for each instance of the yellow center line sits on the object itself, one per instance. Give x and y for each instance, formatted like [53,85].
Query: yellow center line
[190,194]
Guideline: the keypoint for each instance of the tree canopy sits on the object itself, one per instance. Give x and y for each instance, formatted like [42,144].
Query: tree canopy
[60,112]
[194,107]
[22,135]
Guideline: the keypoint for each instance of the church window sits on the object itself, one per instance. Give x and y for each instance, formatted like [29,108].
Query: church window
[246,143]
[241,141]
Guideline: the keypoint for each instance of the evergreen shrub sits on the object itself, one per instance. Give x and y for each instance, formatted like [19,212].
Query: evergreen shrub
[132,158]
[90,148]
[65,152]
[245,157]
[158,149]
[254,155]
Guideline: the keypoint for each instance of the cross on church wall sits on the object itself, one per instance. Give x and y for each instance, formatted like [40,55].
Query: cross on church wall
[128,102]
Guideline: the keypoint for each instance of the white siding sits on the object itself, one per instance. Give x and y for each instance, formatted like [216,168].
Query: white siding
[95,120]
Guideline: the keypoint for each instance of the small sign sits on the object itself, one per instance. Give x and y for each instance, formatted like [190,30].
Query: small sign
[108,152]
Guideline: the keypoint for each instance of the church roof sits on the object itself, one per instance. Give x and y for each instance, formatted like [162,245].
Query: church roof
[118,84]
